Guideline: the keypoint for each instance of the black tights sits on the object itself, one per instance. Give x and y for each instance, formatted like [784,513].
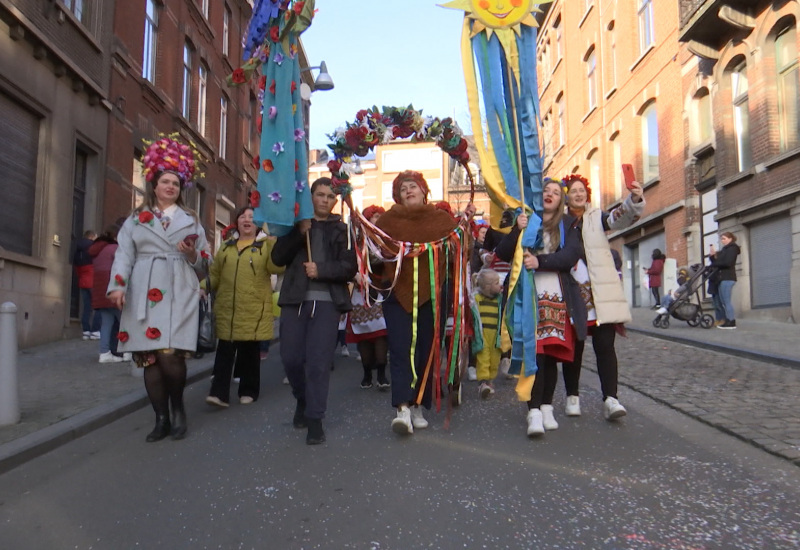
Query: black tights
[603,338]
[656,290]
[544,385]
[165,381]
[373,356]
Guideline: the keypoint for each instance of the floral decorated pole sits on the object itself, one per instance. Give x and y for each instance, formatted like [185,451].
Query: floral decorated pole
[282,196]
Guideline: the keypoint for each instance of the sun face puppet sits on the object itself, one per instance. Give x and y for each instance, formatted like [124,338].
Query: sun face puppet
[497,15]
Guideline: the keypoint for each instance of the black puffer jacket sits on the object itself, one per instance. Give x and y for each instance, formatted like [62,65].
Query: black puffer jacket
[337,267]
[725,260]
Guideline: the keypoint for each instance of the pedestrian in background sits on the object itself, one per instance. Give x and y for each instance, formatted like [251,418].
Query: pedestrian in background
[102,251]
[162,255]
[314,294]
[84,271]
[241,282]
[654,275]
[725,260]
[604,297]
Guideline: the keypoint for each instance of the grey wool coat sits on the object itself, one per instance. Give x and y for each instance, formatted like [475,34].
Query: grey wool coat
[162,297]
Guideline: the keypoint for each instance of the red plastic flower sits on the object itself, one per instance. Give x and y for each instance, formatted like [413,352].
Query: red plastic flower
[204,255]
[296,165]
[296,209]
[145,216]
[294,86]
[256,162]
[267,165]
[255,198]
[334,166]
[123,336]
[258,123]
[274,33]
[238,76]
[153,333]
[262,82]
[155,295]
[361,115]
[298,7]
[119,280]
[272,87]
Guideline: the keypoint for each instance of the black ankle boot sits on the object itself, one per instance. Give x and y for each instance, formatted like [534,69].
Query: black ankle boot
[161,430]
[179,423]
[383,382]
[315,434]
[299,421]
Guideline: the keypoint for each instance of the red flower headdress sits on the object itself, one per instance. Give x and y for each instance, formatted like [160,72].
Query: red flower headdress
[567,183]
[169,154]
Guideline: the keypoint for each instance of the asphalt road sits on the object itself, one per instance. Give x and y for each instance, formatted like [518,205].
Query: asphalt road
[245,478]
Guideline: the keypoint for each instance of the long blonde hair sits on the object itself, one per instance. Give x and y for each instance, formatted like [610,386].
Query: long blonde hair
[553,225]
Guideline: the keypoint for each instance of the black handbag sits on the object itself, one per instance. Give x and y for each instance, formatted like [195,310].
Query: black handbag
[206,330]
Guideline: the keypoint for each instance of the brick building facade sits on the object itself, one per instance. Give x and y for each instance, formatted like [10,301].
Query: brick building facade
[54,111]
[742,110]
[608,74]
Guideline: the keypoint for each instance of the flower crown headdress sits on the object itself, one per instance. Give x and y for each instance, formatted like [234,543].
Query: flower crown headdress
[577,177]
[169,154]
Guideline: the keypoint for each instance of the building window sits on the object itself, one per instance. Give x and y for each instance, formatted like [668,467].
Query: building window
[226,31]
[187,80]
[80,9]
[202,90]
[150,33]
[701,128]
[646,38]
[558,30]
[741,117]
[562,124]
[649,144]
[547,124]
[138,181]
[204,7]
[544,63]
[591,80]
[612,61]
[223,126]
[252,134]
[19,158]
[787,67]
[616,165]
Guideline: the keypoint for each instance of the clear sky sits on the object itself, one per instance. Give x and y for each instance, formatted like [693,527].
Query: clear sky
[385,52]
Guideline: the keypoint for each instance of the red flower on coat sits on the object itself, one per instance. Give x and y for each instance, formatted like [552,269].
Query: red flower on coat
[238,76]
[274,33]
[123,336]
[204,255]
[119,280]
[153,333]
[155,295]
[145,216]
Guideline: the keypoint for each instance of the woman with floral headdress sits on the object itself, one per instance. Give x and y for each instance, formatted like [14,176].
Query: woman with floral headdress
[602,291]
[162,254]
[412,219]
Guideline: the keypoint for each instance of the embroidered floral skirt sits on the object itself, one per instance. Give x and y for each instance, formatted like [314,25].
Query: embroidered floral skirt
[554,332]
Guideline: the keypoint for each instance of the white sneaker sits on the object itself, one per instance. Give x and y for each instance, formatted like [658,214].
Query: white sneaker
[127,356]
[345,352]
[612,409]
[535,427]
[548,420]
[573,407]
[286,380]
[87,335]
[109,357]
[94,335]
[485,390]
[237,380]
[505,364]
[661,310]
[402,424]
[246,400]
[472,373]
[417,420]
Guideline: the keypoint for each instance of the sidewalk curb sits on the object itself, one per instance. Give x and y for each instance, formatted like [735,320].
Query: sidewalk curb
[773,359]
[17,452]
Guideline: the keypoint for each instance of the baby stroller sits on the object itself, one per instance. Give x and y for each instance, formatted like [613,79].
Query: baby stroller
[686,305]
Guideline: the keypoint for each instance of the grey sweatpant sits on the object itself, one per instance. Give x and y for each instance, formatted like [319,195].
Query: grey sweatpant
[308,341]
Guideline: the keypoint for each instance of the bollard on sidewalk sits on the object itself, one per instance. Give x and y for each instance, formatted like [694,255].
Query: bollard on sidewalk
[9,390]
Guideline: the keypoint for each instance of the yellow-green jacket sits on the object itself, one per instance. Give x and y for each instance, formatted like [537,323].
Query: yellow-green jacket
[243,290]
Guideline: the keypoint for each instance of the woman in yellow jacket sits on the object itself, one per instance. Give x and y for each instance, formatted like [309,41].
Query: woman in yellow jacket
[240,280]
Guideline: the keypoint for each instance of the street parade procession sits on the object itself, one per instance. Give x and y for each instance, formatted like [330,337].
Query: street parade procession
[404,275]
[526,277]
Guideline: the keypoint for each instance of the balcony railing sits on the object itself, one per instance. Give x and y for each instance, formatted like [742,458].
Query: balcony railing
[689,8]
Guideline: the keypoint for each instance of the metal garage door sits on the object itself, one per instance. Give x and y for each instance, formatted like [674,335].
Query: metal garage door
[771,261]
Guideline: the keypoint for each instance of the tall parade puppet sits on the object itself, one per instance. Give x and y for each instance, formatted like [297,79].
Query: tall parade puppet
[422,257]
[500,39]
[282,196]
